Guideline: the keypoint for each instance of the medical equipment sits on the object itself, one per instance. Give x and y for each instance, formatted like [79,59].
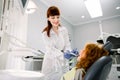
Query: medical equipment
[31,58]
[114,38]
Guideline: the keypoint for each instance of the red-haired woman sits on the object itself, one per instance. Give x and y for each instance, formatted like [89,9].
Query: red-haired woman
[86,58]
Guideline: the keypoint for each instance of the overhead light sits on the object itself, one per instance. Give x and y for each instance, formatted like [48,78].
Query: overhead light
[94,8]
[82,17]
[31,7]
[118,7]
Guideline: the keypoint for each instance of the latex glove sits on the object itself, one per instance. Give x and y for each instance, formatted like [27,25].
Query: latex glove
[68,55]
[75,52]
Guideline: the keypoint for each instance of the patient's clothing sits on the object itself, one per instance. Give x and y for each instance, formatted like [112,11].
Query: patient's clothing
[73,74]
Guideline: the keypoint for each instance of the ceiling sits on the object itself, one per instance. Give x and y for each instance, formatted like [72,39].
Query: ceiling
[72,10]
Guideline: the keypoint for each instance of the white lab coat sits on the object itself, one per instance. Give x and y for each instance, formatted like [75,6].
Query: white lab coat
[54,63]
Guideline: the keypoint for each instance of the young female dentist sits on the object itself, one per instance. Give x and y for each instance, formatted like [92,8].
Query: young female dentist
[57,42]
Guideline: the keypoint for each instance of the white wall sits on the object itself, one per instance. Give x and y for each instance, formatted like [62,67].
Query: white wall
[36,23]
[112,25]
[90,32]
[86,33]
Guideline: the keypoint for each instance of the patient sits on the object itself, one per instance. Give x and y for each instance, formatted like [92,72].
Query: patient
[86,58]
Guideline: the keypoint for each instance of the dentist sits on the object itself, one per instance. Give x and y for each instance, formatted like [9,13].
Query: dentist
[57,42]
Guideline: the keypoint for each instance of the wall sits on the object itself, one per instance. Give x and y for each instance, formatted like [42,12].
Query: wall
[90,32]
[86,33]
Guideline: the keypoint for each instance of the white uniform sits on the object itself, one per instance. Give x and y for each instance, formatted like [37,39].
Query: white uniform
[54,63]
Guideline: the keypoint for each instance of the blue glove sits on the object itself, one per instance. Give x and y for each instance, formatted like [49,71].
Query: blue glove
[75,51]
[68,55]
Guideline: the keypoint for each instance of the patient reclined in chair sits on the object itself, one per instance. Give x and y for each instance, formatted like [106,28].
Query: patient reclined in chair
[93,63]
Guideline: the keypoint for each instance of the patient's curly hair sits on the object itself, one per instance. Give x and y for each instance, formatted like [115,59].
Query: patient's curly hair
[92,53]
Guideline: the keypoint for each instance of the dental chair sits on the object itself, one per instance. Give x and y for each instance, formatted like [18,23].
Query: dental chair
[116,44]
[101,68]
[115,40]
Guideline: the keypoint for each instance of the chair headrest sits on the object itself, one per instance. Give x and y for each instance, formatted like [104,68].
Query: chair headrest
[108,46]
[100,69]
[115,41]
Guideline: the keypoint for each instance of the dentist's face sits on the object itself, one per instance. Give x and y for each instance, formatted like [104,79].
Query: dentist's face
[54,20]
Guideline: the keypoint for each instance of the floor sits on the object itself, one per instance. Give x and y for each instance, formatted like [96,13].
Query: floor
[114,74]
[6,76]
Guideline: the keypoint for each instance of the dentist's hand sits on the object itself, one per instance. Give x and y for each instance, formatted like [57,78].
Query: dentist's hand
[68,54]
[75,52]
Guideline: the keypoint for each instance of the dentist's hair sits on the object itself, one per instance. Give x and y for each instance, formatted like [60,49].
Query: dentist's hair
[52,11]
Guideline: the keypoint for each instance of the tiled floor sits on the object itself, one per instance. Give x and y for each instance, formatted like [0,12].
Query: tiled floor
[114,73]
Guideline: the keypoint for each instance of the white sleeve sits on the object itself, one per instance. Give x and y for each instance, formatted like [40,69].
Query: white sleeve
[67,40]
[49,45]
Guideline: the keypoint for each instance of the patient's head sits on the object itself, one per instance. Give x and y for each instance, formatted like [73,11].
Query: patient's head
[89,55]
